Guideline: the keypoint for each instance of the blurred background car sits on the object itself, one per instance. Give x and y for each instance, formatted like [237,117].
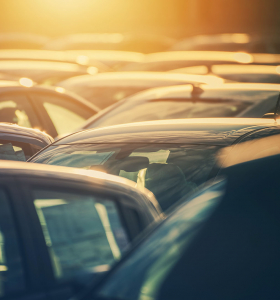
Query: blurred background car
[170,158]
[113,59]
[22,40]
[44,72]
[252,43]
[229,229]
[52,110]
[72,223]
[108,88]
[237,73]
[51,56]
[18,143]
[190,101]
[170,60]
[145,43]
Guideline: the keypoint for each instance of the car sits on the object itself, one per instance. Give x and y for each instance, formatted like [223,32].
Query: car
[52,110]
[252,43]
[44,72]
[170,60]
[171,158]
[62,227]
[112,59]
[50,56]
[190,101]
[22,40]
[107,88]
[145,43]
[19,143]
[222,243]
[237,73]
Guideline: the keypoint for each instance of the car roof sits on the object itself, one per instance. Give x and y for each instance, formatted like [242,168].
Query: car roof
[204,57]
[246,69]
[214,131]
[40,64]
[23,169]
[229,69]
[139,78]
[235,57]
[41,55]
[25,133]
[241,91]
[109,55]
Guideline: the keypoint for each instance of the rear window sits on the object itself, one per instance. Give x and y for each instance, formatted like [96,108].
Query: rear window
[17,151]
[170,109]
[102,96]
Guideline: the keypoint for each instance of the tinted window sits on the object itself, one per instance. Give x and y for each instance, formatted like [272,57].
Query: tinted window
[169,171]
[169,109]
[11,269]
[16,109]
[65,114]
[143,273]
[18,151]
[82,232]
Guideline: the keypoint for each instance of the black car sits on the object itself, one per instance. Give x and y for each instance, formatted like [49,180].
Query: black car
[52,110]
[62,227]
[171,158]
[221,244]
[239,100]
[19,143]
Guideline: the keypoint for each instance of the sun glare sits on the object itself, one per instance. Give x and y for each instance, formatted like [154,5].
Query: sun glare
[27,82]
[244,58]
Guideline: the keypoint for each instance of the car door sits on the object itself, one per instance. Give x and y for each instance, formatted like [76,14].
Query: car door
[15,107]
[60,114]
[19,270]
[79,230]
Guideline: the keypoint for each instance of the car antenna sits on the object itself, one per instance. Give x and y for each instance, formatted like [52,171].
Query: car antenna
[209,69]
[196,91]
[276,109]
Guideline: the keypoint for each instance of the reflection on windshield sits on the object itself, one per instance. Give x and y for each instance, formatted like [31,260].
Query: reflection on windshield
[158,254]
[170,171]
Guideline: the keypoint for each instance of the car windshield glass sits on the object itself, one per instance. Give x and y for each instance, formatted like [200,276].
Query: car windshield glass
[141,275]
[102,96]
[180,167]
[130,112]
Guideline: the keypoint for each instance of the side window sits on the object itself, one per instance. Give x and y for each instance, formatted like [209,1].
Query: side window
[18,151]
[11,270]
[82,232]
[65,114]
[17,109]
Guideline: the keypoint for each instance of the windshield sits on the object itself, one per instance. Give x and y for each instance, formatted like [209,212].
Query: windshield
[170,171]
[142,274]
[130,111]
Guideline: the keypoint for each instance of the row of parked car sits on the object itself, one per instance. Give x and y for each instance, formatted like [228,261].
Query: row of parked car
[139,183]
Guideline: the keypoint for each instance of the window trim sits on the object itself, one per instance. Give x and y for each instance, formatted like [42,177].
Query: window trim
[32,277]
